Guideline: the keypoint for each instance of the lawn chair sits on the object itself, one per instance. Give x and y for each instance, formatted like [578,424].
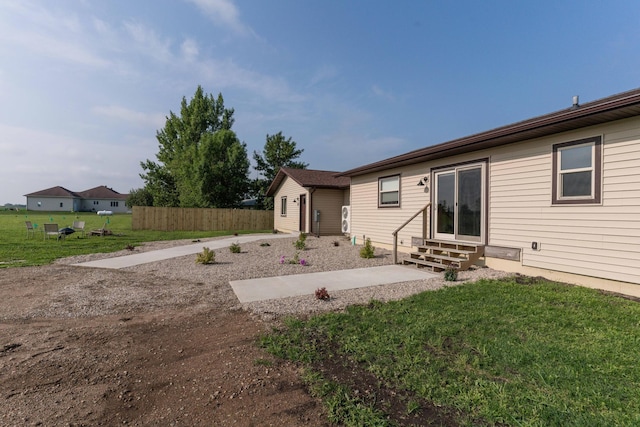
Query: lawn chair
[30,229]
[51,230]
[78,226]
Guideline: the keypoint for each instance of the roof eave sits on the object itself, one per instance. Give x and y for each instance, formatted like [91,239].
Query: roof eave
[598,112]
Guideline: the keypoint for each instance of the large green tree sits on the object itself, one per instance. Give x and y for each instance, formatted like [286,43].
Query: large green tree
[278,152]
[193,146]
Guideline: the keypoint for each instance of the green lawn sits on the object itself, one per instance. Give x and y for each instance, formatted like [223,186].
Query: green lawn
[17,251]
[488,353]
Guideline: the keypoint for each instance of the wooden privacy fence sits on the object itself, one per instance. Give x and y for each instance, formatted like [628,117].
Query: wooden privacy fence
[199,219]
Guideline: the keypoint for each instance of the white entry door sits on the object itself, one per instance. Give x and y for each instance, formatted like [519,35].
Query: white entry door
[459,205]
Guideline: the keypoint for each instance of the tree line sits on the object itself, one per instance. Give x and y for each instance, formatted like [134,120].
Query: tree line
[201,163]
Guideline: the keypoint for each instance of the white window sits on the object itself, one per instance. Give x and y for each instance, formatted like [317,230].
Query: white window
[389,191]
[283,206]
[577,172]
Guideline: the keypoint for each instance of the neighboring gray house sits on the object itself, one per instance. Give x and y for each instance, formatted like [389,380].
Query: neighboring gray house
[60,199]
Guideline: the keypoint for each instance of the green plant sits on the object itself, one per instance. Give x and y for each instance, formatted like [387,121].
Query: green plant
[301,244]
[450,274]
[235,248]
[367,251]
[207,256]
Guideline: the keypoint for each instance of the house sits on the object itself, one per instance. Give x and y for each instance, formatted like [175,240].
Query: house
[308,201]
[92,200]
[556,195]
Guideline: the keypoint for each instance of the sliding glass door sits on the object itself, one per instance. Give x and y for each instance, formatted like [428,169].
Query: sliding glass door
[459,205]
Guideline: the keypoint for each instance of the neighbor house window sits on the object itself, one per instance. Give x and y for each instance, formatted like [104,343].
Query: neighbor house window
[283,206]
[114,204]
[389,191]
[61,204]
[577,171]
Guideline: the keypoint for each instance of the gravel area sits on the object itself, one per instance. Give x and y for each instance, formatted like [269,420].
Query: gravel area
[200,285]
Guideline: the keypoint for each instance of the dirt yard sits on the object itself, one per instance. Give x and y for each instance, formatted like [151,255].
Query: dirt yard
[138,360]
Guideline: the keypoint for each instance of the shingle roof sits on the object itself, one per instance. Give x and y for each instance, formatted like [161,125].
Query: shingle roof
[101,192]
[309,178]
[54,192]
[615,107]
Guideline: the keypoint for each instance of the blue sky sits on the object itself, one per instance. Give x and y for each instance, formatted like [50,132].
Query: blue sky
[85,84]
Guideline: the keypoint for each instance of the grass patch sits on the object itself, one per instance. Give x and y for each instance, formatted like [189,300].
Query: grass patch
[492,352]
[18,251]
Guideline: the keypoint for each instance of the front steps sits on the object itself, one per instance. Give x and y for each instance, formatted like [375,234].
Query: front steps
[441,254]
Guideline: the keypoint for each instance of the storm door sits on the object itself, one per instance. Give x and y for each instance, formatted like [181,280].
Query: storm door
[303,213]
[459,203]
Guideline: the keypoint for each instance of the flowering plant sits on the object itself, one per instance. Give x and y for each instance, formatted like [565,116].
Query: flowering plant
[295,260]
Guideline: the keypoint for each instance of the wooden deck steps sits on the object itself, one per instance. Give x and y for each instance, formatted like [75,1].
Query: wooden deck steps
[441,254]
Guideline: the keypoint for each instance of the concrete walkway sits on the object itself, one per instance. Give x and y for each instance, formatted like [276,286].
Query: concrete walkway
[251,290]
[176,251]
[274,287]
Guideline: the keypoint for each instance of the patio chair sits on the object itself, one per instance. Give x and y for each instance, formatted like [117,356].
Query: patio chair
[78,226]
[31,231]
[51,230]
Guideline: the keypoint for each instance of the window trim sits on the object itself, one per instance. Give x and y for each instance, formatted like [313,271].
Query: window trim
[380,192]
[596,179]
[283,206]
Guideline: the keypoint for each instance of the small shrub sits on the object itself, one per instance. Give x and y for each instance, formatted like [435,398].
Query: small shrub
[129,247]
[450,274]
[323,294]
[265,244]
[367,251]
[207,256]
[300,244]
[235,248]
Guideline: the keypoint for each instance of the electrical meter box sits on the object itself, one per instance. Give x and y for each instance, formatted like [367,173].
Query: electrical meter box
[316,215]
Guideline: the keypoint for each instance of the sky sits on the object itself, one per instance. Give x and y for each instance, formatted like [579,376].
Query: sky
[86,84]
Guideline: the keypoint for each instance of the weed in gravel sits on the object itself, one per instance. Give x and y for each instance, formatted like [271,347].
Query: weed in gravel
[207,256]
[367,251]
[235,248]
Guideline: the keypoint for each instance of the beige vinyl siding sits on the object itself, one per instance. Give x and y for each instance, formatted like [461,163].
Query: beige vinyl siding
[330,203]
[378,224]
[594,240]
[291,222]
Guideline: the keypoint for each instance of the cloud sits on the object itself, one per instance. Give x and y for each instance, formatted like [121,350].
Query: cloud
[66,161]
[225,13]
[124,114]
[324,73]
[58,36]
[380,93]
[148,42]
[189,49]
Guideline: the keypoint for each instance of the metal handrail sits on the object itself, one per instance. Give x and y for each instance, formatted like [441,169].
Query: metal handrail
[395,233]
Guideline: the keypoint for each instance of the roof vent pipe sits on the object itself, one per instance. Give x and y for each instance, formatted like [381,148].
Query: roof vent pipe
[576,101]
